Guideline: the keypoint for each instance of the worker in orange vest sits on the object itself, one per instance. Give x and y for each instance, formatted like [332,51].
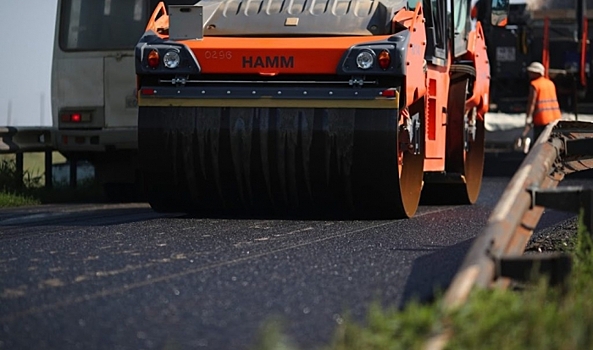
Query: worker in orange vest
[542,103]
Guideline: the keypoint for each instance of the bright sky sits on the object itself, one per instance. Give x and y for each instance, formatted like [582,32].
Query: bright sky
[25,62]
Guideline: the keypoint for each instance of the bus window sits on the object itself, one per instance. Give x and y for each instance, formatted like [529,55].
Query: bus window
[412,4]
[94,25]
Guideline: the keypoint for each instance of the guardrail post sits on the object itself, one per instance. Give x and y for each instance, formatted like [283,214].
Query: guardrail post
[49,178]
[73,172]
[579,147]
[556,266]
[19,170]
[587,198]
[575,97]
[569,198]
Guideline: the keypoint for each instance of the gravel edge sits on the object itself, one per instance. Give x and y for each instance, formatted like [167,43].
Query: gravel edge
[560,237]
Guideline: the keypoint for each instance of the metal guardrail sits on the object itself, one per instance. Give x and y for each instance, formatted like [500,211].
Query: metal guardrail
[563,148]
[25,139]
[20,140]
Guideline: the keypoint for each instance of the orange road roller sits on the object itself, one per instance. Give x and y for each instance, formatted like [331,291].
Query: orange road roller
[357,107]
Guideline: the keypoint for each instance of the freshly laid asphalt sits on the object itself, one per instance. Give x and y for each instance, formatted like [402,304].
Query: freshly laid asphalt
[123,277]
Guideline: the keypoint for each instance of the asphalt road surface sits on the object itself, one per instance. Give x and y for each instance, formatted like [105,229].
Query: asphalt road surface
[124,277]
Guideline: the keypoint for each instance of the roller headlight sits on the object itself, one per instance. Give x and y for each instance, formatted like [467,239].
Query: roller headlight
[365,60]
[171,59]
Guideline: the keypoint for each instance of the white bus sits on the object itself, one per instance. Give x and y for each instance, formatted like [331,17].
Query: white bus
[93,87]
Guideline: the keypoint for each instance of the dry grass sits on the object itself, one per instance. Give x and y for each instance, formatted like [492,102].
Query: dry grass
[32,191]
[34,163]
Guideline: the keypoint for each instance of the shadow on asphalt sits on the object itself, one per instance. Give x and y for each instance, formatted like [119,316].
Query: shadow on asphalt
[85,218]
[435,269]
[502,164]
[440,266]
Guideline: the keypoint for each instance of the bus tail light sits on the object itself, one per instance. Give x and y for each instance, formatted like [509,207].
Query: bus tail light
[153,59]
[75,117]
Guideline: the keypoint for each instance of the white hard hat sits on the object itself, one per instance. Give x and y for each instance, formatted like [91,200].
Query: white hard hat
[536,67]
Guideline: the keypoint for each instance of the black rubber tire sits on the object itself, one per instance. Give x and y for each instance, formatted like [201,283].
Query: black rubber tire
[314,162]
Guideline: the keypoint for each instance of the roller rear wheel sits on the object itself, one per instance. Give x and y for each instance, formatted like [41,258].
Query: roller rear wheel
[464,164]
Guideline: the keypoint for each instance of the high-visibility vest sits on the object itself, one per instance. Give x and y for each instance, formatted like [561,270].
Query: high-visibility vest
[546,104]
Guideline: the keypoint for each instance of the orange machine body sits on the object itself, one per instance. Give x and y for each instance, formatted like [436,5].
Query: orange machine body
[386,93]
[277,57]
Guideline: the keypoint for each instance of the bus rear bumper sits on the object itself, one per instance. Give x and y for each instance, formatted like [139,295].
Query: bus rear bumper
[100,140]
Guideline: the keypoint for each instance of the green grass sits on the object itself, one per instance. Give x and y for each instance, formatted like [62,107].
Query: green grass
[536,317]
[9,200]
[542,317]
[33,190]
[12,193]
[387,329]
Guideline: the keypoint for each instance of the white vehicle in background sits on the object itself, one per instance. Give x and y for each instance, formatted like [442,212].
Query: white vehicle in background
[93,83]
